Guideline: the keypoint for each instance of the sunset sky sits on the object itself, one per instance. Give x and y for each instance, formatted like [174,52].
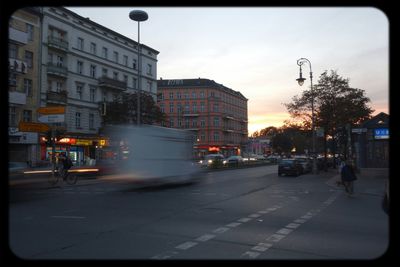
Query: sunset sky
[254,50]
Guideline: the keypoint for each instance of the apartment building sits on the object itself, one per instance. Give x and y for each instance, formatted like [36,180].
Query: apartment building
[85,64]
[214,112]
[23,83]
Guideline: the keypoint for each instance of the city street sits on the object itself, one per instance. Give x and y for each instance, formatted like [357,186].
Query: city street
[248,213]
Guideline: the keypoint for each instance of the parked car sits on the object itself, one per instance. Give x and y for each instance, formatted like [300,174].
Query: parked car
[234,161]
[307,164]
[290,166]
[212,160]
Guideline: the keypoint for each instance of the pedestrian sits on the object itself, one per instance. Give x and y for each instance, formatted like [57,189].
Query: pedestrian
[348,177]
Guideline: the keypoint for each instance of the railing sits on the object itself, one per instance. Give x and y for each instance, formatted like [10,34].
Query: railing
[58,43]
[60,97]
[57,70]
[112,83]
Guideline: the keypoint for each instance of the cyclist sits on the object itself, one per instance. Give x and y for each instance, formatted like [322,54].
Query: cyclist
[65,164]
[348,177]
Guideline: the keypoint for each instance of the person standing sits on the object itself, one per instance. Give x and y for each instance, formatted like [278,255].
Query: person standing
[348,177]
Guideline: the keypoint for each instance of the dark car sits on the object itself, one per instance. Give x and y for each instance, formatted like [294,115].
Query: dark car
[307,164]
[290,167]
[233,161]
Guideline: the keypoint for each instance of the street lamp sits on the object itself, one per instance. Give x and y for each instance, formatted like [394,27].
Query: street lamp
[301,80]
[138,15]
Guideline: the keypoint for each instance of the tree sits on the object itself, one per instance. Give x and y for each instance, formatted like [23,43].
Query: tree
[123,110]
[336,105]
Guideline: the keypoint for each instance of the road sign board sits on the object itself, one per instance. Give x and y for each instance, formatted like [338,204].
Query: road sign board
[33,127]
[52,118]
[52,110]
[359,130]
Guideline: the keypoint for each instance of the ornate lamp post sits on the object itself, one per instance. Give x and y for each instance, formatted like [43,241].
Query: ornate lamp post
[138,15]
[301,80]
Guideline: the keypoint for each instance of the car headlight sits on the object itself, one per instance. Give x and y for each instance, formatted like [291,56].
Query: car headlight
[209,161]
[201,162]
[225,161]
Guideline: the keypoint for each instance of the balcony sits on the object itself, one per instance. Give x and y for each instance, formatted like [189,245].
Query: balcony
[112,83]
[57,97]
[57,43]
[190,114]
[57,70]
[18,98]
[17,65]
[18,36]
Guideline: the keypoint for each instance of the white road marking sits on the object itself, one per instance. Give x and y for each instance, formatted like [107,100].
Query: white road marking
[284,231]
[262,247]
[186,245]
[205,237]
[250,254]
[255,215]
[244,220]
[292,225]
[275,237]
[220,230]
[234,224]
[68,217]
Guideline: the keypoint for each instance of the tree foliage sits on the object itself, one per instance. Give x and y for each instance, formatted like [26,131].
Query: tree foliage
[123,110]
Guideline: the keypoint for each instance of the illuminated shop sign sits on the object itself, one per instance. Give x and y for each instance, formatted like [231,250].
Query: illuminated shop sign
[381,133]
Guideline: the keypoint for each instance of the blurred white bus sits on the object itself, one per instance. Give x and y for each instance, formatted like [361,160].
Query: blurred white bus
[147,153]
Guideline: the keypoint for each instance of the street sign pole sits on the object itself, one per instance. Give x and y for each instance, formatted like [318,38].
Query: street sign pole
[53,154]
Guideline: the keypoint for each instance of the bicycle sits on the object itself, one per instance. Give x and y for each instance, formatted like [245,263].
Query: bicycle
[67,176]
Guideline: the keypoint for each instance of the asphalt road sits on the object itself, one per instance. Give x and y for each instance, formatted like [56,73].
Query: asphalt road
[246,213]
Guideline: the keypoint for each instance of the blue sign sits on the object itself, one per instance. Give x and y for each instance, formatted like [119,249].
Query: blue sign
[381,133]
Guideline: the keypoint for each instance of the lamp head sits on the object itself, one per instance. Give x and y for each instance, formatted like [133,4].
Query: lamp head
[300,80]
[138,15]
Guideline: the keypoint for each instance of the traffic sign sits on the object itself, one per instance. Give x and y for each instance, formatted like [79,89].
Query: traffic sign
[33,127]
[52,118]
[52,110]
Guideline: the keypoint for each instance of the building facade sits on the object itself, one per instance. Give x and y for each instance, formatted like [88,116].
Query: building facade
[216,114]
[84,65]
[371,142]
[23,83]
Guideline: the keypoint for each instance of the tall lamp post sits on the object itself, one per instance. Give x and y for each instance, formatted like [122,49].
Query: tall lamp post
[301,80]
[138,15]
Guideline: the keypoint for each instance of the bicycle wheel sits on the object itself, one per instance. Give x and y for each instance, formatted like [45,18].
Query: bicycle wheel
[53,178]
[71,178]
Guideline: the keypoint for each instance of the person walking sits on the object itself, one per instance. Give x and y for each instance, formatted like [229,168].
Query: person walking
[348,177]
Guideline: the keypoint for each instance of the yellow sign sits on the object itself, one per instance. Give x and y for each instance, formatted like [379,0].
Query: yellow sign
[52,110]
[83,142]
[33,127]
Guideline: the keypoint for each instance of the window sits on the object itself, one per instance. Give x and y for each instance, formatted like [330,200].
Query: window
[179,107]
[134,64]
[202,107]
[194,123]
[187,123]
[27,116]
[77,120]
[202,137]
[79,67]
[93,71]
[12,80]
[59,86]
[171,123]
[29,58]
[91,121]
[201,94]
[126,60]
[126,79]
[178,95]
[92,93]
[29,30]
[80,43]
[194,95]
[186,95]
[28,87]
[12,119]
[149,87]
[105,72]
[216,122]
[60,61]
[171,107]
[13,51]
[202,123]
[79,89]
[216,108]
[187,107]
[116,57]
[149,69]
[115,75]
[216,136]
[171,95]
[93,48]
[104,53]
[134,80]
[194,106]
[162,107]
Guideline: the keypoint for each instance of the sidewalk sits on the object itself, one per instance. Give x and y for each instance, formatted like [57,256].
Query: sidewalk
[370,181]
